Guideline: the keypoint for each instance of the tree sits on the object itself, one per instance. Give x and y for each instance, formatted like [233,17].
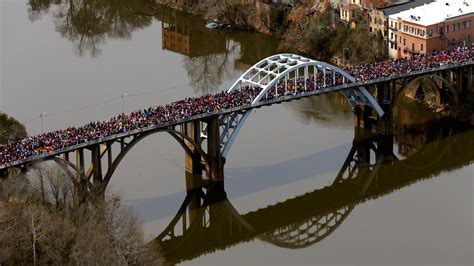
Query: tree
[41,227]
[10,129]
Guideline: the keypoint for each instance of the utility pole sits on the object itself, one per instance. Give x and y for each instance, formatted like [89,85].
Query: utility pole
[41,118]
[123,102]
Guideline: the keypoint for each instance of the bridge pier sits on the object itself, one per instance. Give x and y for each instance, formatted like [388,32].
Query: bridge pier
[385,93]
[363,152]
[216,161]
[458,80]
[362,116]
[81,187]
[3,173]
[192,162]
[193,169]
[97,170]
[470,85]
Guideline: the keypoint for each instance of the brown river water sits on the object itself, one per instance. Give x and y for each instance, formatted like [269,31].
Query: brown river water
[74,61]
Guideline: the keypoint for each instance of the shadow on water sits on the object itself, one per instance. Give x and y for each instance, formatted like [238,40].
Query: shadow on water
[372,169]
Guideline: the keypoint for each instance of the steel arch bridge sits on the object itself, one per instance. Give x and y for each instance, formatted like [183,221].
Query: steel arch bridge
[273,80]
[286,75]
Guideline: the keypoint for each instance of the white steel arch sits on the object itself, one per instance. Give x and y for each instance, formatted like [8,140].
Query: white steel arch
[294,69]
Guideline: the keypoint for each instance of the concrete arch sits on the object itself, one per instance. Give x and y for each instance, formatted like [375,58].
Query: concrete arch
[437,90]
[178,136]
[66,166]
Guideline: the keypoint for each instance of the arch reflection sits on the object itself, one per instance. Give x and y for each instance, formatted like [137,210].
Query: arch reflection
[207,221]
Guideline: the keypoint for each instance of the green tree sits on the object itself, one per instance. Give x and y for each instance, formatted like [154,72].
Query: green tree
[10,129]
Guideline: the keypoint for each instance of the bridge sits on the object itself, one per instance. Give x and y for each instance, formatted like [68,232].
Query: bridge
[206,135]
[207,221]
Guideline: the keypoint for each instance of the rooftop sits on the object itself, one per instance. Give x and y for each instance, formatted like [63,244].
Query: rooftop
[350,7]
[402,5]
[436,12]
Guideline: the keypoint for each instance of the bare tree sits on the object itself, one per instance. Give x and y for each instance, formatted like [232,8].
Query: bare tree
[54,231]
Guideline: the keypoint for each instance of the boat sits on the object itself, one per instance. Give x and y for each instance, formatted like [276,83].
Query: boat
[214,25]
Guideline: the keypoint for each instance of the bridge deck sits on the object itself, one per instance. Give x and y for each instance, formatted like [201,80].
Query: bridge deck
[278,100]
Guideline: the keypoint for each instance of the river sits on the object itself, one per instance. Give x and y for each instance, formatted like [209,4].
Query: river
[79,61]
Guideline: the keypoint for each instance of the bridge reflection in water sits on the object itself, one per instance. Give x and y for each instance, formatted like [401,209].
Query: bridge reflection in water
[207,221]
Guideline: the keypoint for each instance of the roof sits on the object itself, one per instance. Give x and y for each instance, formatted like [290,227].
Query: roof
[402,5]
[376,3]
[436,12]
[350,7]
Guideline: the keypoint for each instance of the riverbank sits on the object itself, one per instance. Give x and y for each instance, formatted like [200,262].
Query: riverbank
[309,28]
[462,112]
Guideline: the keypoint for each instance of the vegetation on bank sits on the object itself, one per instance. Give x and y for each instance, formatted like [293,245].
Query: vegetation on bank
[40,224]
[10,129]
[41,221]
[310,28]
[323,37]
[463,111]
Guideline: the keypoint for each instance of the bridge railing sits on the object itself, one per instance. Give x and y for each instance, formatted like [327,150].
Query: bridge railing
[231,110]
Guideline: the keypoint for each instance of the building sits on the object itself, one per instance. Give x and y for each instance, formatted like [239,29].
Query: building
[349,12]
[379,13]
[440,25]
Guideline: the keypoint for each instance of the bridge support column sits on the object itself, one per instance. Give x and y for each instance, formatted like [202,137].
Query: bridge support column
[216,161]
[81,189]
[97,170]
[470,85]
[384,148]
[193,168]
[459,81]
[361,136]
[467,76]
[362,116]
[3,173]
[192,163]
[384,98]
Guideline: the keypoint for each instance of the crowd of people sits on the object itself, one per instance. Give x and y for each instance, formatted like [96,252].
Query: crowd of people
[176,111]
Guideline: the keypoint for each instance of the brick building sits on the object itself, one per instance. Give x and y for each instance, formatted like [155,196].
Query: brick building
[440,25]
